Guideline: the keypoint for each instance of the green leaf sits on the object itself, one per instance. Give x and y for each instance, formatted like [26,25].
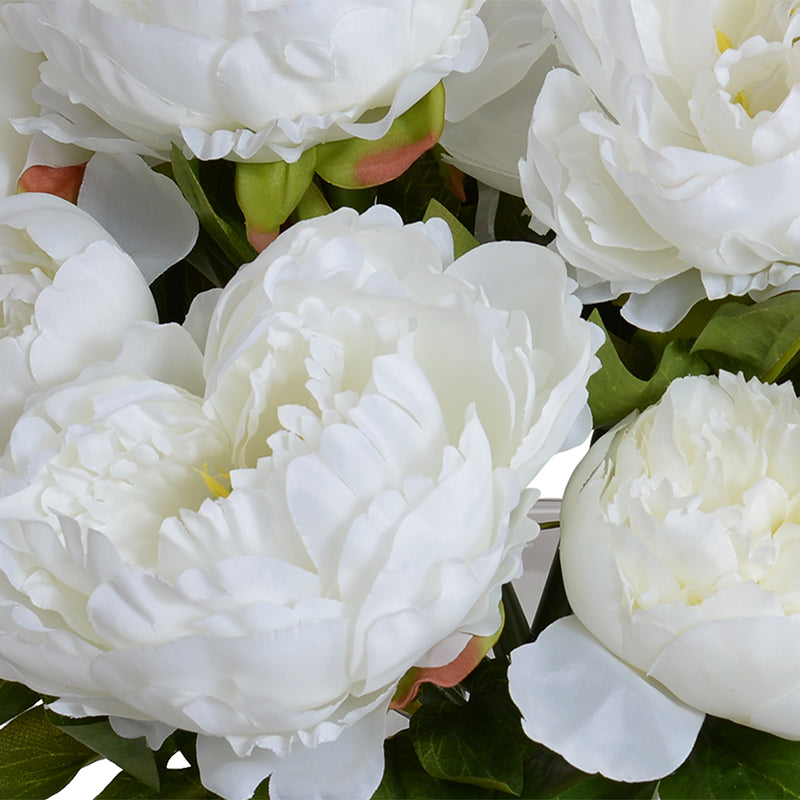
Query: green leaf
[132,755]
[761,339]
[614,391]
[463,240]
[731,761]
[404,776]
[36,759]
[268,193]
[357,163]
[480,743]
[14,699]
[175,783]
[224,232]
[548,775]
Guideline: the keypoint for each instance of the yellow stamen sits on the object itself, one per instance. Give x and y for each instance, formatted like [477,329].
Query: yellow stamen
[211,482]
[741,99]
[723,42]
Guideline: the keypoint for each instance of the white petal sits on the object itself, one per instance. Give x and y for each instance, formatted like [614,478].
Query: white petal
[602,716]
[144,211]
[348,768]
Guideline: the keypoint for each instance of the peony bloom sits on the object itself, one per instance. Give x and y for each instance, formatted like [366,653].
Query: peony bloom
[680,556]
[668,164]
[263,565]
[67,295]
[256,81]
[489,109]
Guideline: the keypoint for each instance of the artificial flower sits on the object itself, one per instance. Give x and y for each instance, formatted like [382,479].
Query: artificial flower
[679,550]
[489,109]
[257,81]
[264,564]
[67,292]
[668,164]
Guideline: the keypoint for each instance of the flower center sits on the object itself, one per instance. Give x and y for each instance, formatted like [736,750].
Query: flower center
[723,44]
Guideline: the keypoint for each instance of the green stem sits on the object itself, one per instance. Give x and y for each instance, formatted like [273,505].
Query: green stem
[548,526]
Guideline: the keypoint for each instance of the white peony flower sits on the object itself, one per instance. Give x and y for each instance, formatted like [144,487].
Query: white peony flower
[345,503]
[243,80]
[679,552]
[668,165]
[67,296]
[489,109]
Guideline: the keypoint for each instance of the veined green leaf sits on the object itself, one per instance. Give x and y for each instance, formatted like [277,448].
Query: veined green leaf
[761,339]
[480,743]
[731,761]
[404,777]
[36,758]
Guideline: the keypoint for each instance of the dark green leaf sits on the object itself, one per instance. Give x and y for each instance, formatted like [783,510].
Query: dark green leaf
[132,755]
[421,182]
[614,391]
[36,759]
[463,240]
[404,777]
[731,761]
[480,743]
[512,220]
[761,339]
[175,783]
[547,775]
[174,290]
[225,232]
[14,699]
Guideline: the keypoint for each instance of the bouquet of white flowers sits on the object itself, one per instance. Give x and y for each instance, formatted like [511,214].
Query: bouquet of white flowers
[297,299]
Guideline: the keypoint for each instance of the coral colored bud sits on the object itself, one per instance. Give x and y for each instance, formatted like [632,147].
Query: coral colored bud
[64,182]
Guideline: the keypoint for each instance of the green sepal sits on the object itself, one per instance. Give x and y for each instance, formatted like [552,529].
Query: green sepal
[463,240]
[14,699]
[36,758]
[358,163]
[225,232]
[268,193]
[615,391]
[312,204]
[131,755]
